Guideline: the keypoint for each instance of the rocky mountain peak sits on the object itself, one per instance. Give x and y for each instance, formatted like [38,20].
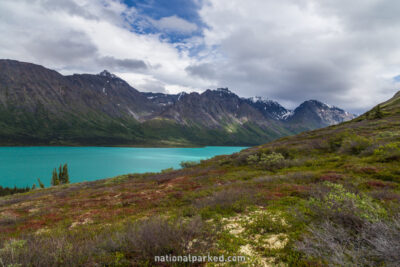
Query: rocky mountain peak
[320,113]
[106,73]
[224,90]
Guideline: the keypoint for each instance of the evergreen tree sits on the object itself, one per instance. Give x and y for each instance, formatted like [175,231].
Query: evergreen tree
[65,174]
[60,174]
[33,186]
[41,185]
[54,179]
[62,177]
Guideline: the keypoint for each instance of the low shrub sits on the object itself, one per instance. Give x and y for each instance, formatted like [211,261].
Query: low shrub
[266,224]
[158,236]
[354,145]
[388,152]
[227,201]
[188,164]
[344,207]
[331,177]
[385,194]
[349,229]
[335,142]
[8,219]
[286,152]
[348,142]
[270,161]
[379,184]
[376,244]
[167,170]
[318,144]
[44,250]
[4,191]
[133,244]
[389,135]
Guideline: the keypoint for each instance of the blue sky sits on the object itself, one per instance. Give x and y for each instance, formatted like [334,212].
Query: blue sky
[158,9]
[344,53]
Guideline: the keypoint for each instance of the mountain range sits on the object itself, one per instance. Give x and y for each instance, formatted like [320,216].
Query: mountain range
[39,106]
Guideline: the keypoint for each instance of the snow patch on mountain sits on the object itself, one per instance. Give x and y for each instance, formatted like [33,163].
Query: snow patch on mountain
[106,73]
[264,100]
[287,115]
[181,94]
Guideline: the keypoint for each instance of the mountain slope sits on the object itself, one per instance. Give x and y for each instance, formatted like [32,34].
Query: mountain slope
[328,197]
[315,114]
[39,106]
[270,108]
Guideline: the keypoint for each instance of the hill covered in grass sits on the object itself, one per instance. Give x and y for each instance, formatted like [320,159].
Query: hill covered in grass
[329,197]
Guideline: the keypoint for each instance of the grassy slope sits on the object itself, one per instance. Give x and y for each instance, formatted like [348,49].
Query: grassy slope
[343,178]
[21,127]
[24,128]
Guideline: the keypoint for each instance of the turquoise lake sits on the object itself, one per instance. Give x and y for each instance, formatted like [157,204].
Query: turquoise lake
[21,166]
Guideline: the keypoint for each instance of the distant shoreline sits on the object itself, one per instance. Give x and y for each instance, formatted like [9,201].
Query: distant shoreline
[128,146]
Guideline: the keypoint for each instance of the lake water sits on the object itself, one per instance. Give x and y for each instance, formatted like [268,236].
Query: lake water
[21,166]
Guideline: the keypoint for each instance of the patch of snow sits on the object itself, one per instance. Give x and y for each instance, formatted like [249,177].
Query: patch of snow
[133,114]
[106,73]
[224,90]
[181,94]
[329,106]
[287,115]
[260,99]
[255,99]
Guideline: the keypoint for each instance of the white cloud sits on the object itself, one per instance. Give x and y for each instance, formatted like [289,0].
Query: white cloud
[336,51]
[174,24]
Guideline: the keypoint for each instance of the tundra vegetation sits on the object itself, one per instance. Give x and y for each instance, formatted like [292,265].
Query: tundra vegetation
[328,197]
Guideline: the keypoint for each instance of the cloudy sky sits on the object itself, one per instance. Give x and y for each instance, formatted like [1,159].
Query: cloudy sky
[345,53]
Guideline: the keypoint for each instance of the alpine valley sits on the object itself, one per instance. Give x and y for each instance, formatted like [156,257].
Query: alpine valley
[39,106]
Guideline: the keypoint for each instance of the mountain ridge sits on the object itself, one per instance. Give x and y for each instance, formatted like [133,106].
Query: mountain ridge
[41,106]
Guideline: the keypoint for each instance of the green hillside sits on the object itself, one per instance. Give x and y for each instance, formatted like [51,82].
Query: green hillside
[328,197]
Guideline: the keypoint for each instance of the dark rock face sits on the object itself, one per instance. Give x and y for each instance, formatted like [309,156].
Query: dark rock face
[41,106]
[161,100]
[317,114]
[111,95]
[269,108]
[213,108]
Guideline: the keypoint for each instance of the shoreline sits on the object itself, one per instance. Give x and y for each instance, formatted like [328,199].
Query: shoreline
[130,146]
